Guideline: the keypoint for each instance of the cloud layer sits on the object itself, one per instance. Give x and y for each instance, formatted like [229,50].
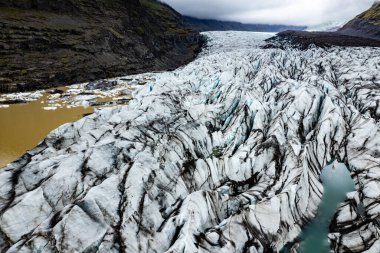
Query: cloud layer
[290,12]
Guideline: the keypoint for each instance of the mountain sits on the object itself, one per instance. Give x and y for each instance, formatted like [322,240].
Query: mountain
[48,43]
[303,40]
[217,25]
[362,31]
[331,26]
[366,24]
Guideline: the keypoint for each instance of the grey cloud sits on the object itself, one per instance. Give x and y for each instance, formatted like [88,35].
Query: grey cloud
[290,12]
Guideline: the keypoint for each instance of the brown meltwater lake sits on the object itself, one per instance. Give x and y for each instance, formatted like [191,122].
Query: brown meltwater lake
[23,126]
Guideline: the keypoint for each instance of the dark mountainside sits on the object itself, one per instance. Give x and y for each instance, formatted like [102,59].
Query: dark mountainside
[216,25]
[366,24]
[362,31]
[49,43]
[303,39]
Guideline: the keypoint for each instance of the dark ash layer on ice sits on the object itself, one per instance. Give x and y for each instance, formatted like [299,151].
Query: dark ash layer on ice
[304,40]
[223,155]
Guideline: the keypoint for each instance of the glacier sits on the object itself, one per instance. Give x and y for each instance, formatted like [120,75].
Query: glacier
[221,155]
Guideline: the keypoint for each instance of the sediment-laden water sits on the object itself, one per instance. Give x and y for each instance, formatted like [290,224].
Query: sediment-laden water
[27,118]
[24,125]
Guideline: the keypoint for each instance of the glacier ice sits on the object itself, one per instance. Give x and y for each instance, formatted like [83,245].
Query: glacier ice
[222,155]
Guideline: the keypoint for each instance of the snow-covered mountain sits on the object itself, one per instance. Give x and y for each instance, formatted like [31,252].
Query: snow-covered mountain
[331,26]
[222,155]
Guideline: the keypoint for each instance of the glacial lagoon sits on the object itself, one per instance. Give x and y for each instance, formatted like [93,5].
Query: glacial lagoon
[26,122]
[24,125]
[337,182]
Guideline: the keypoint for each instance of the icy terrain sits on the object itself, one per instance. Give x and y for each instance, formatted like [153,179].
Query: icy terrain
[331,26]
[223,155]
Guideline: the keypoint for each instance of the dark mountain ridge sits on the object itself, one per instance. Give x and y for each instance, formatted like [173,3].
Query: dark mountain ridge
[367,24]
[362,31]
[217,25]
[47,43]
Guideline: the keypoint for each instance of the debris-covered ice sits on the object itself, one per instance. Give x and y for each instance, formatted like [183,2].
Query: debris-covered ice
[222,155]
[50,108]
[116,91]
[22,97]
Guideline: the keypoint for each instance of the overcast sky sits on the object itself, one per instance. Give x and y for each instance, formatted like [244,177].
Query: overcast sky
[290,12]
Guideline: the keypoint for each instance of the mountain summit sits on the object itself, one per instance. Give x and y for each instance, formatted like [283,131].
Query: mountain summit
[366,24]
[362,31]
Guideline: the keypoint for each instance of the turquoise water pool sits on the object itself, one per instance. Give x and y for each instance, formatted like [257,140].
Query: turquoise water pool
[337,182]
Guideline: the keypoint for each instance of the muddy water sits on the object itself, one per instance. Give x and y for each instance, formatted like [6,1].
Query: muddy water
[23,126]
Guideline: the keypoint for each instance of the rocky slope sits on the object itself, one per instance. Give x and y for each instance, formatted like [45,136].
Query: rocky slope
[304,40]
[363,31]
[217,25]
[366,24]
[46,43]
[223,155]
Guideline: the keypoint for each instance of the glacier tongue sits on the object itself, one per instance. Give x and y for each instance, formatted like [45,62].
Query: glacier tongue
[222,155]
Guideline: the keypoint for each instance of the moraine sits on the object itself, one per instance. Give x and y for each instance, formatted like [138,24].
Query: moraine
[222,155]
